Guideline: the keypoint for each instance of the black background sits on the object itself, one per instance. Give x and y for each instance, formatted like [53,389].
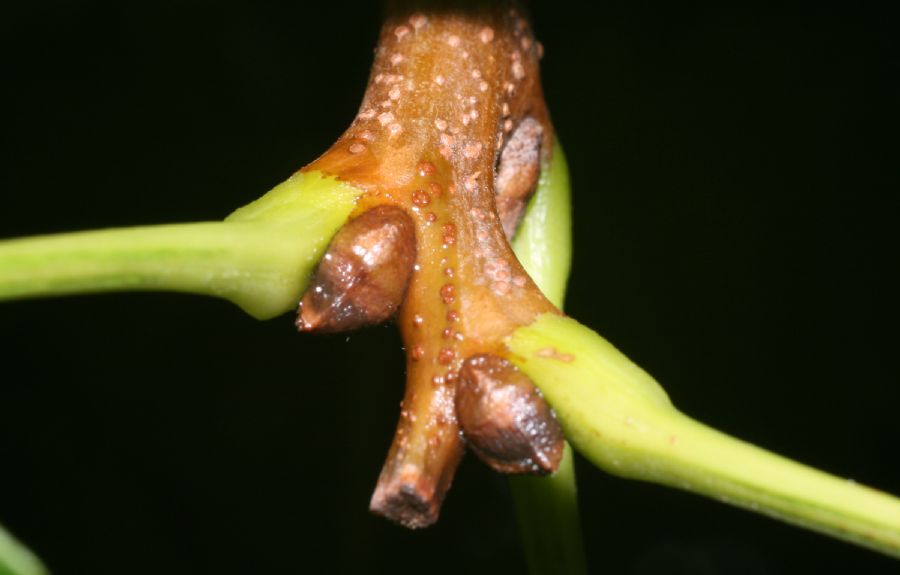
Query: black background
[735,176]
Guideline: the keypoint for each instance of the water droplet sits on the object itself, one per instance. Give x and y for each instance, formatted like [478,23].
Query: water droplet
[446,355]
[356,148]
[417,352]
[449,231]
[448,272]
[453,41]
[440,124]
[486,34]
[418,320]
[425,168]
[421,198]
[448,293]
[452,316]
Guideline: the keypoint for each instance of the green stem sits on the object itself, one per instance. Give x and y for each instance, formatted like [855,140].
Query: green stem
[547,507]
[618,417]
[259,258]
[543,242]
[15,559]
[549,523]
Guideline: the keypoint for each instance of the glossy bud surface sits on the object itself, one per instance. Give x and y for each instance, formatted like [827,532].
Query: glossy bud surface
[505,419]
[363,275]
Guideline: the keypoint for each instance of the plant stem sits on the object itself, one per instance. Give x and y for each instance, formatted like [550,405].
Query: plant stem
[549,523]
[547,507]
[543,242]
[260,258]
[618,417]
[15,559]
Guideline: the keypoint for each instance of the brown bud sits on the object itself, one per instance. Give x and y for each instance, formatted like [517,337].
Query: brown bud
[505,419]
[517,173]
[363,275]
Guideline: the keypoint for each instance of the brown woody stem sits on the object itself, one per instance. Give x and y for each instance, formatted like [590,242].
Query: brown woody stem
[448,89]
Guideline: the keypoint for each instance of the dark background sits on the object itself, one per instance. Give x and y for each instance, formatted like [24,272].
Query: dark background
[735,178]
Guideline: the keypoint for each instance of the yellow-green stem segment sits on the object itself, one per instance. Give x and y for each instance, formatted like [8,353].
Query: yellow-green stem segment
[619,418]
[260,257]
[15,559]
[547,507]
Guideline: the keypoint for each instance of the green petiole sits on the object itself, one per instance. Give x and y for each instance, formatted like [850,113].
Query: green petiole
[620,419]
[15,559]
[547,507]
[260,257]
